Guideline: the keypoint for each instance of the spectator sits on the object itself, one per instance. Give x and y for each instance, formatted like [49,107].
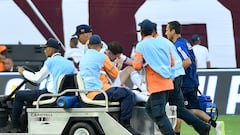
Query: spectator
[190,79]
[54,66]
[158,78]
[74,53]
[201,52]
[6,64]
[84,32]
[90,67]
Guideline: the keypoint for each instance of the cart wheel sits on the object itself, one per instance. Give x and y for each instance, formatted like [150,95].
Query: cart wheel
[81,128]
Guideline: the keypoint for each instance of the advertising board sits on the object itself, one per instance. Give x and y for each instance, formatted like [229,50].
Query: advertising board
[221,84]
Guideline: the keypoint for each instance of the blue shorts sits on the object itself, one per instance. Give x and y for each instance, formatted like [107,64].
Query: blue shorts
[191,98]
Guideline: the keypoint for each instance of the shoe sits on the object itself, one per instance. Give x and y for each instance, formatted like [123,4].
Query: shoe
[10,129]
[131,130]
[220,128]
[126,124]
[5,129]
[15,130]
[206,130]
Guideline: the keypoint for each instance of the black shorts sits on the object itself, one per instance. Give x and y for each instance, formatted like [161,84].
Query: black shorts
[191,98]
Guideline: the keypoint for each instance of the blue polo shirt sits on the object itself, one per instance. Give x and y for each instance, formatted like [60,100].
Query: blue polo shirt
[90,66]
[184,48]
[177,69]
[155,54]
[57,66]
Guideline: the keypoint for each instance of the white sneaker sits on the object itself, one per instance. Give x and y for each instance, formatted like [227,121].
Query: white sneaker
[220,128]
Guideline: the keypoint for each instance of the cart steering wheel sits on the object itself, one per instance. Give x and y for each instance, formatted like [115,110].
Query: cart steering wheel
[30,70]
[8,97]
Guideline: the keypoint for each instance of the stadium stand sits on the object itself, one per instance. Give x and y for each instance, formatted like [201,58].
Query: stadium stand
[31,56]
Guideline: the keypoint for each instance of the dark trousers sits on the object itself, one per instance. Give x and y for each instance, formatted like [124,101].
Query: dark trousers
[155,108]
[126,98]
[21,97]
[176,98]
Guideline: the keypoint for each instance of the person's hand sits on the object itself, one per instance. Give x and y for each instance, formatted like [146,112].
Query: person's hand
[20,69]
[119,63]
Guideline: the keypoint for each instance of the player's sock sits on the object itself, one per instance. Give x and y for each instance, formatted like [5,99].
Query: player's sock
[212,123]
[137,80]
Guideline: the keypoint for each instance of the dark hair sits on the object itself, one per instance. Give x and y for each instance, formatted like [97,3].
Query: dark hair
[175,25]
[115,47]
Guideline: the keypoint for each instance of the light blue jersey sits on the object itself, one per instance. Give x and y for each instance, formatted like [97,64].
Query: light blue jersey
[90,66]
[156,55]
[64,67]
[177,69]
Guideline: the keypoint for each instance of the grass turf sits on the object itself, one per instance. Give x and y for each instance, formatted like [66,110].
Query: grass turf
[231,126]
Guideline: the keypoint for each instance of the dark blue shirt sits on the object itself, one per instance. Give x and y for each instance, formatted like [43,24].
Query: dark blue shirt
[184,48]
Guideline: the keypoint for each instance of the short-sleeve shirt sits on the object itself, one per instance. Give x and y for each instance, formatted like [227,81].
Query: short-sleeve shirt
[177,69]
[155,54]
[90,66]
[64,67]
[202,55]
[184,48]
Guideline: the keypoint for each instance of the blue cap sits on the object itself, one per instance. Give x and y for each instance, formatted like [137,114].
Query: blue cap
[195,38]
[80,29]
[147,26]
[52,43]
[95,39]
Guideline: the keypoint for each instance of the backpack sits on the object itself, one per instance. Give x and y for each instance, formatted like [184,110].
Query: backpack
[208,106]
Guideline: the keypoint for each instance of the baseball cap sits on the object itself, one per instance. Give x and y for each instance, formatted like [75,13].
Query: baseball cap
[95,39]
[147,26]
[52,43]
[80,29]
[195,38]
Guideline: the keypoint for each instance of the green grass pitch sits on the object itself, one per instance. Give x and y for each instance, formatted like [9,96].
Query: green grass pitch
[231,126]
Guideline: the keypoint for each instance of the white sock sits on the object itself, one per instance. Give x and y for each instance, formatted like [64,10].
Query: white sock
[141,96]
[136,79]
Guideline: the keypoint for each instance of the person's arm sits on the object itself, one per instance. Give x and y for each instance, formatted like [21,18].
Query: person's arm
[37,77]
[172,59]
[186,63]
[119,63]
[208,59]
[126,60]
[138,61]
[208,64]
[110,68]
[196,62]
[123,59]
[183,53]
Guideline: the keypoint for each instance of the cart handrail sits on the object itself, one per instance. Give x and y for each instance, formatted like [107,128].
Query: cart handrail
[54,96]
[80,85]
[83,96]
[80,91]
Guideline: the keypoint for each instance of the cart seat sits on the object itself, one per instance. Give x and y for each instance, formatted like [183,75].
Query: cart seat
[85,99]
[65,81]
